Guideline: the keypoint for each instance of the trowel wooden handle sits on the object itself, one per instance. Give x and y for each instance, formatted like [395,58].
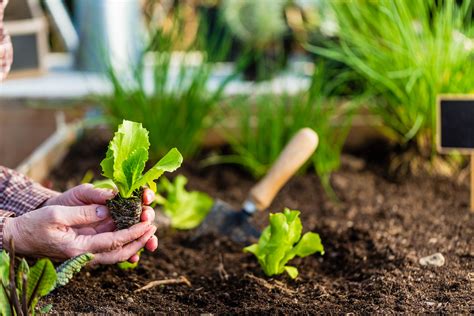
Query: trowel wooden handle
[293,156]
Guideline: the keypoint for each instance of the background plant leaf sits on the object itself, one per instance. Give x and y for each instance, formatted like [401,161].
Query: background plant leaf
[41,281]
[185,209]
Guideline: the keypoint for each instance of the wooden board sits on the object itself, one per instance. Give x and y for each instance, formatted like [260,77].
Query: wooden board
[455,123]
[39,164]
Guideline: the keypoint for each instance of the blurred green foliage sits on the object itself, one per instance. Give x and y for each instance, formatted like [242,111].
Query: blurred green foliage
[409,52]
[176,108]
[265,128]
[260,28]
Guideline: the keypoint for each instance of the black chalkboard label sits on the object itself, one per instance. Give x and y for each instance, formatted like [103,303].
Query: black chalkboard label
[456,123]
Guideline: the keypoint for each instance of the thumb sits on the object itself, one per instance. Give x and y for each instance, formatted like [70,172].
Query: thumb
[80,215]
[88,194]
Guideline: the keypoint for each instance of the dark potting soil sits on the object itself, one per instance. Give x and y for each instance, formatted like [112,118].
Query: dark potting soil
[374,238]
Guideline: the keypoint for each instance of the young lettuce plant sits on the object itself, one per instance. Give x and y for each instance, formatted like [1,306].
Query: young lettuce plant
[124,164]
[281,241]
[185,209]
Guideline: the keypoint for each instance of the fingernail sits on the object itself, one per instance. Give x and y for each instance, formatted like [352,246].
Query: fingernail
[149,195]
[102,211]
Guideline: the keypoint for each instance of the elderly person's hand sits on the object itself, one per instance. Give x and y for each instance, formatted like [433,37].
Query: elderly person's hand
[75,222]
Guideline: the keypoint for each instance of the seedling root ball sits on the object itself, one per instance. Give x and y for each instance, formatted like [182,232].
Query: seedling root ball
[126,212]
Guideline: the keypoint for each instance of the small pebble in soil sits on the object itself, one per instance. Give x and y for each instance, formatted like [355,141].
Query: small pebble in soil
[436,260]
[470,276]
[130,300]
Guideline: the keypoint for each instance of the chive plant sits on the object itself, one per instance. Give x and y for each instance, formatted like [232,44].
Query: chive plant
[265,127]
[176,111]
[408,51]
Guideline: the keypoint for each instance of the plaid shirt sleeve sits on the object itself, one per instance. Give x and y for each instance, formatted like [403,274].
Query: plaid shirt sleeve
[6,49]
[19,195]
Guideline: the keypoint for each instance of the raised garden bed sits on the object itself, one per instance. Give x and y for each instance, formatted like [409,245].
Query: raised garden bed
[30,123]
[374,238]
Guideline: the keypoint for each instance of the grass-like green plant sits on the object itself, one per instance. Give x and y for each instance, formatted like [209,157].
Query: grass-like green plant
[185,209]
[21,291]
[281,241]
[265,127]
[177,106]
[408,51]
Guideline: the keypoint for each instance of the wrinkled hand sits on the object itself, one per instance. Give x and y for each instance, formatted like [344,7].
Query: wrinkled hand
[86,194]
[77,221]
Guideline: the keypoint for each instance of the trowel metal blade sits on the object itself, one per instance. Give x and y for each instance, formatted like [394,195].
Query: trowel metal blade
[225,220]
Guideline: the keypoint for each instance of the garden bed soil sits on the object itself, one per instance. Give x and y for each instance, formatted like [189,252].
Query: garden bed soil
[374,238]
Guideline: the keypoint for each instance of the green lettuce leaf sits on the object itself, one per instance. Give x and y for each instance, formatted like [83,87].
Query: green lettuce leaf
[125,265]
[281,241]
[185,209]
[105,184]
[127,155]
[169,163]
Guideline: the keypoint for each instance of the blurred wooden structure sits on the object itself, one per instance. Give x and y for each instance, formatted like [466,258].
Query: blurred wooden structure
[27,26]
[51,152]
[24,127]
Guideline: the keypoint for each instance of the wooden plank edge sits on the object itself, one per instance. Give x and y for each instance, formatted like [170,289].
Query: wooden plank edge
[40,163]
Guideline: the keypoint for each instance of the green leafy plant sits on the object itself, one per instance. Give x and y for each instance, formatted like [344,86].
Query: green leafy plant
[408,51]
[185,209]
[264,128]
[281,241]
[124,164]
[21,291]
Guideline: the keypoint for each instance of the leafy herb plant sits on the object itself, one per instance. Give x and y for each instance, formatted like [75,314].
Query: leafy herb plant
[124,164]
[281,241]
[185,209]
[21,291]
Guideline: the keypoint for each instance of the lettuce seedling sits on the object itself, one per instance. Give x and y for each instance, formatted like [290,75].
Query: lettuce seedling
[124,164]
[281,241]
[185,209]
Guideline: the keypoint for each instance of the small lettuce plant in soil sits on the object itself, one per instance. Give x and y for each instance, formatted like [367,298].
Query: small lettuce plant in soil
[124,164]
[281,241]
[186,209]
[20,292]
